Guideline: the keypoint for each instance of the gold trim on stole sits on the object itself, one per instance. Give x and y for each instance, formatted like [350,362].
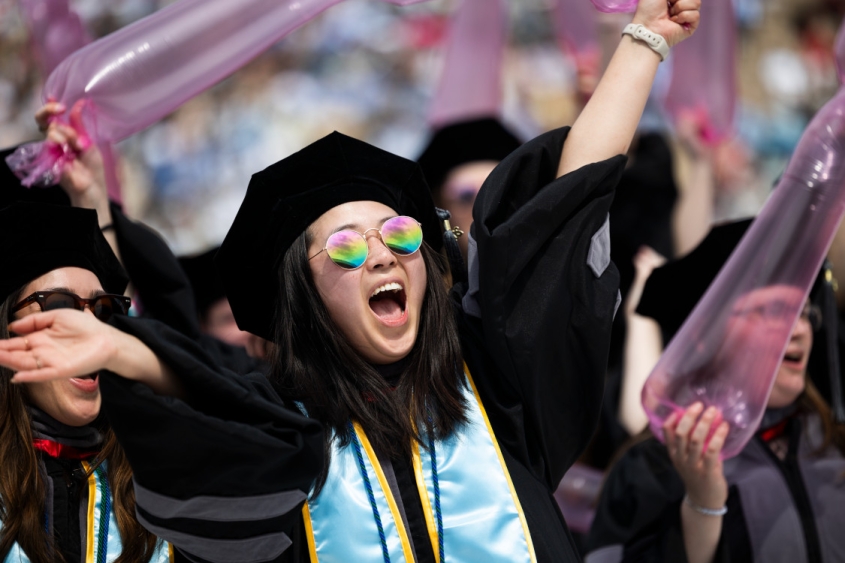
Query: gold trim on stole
[92,503]
[516,502]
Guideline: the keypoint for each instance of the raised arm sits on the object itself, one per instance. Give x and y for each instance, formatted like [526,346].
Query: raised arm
[62,344]
[608,122]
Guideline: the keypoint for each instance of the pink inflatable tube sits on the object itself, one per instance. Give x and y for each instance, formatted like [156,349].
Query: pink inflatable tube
[704,73]
[613,6]
[56,31]
[729,350]
[133,77]
[471,83]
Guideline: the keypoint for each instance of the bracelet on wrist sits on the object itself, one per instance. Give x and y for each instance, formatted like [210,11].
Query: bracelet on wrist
[706,511]
[654,41]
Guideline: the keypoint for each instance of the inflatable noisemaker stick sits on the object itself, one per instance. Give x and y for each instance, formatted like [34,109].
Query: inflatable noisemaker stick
[704,73]
[728,351]
[471,82]
[133,77]
[575,26]
[615,6]
[56,31]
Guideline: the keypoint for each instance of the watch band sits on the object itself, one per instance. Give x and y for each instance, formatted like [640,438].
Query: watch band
[654,40]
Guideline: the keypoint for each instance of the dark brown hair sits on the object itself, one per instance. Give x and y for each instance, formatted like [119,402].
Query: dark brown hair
[23,492]
[833,433]
[313,363]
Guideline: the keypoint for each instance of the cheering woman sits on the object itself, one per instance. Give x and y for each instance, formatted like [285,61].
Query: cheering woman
[445,420]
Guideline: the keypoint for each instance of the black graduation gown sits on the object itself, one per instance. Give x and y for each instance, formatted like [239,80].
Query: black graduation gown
[534,325]
[788,511]
[165,291]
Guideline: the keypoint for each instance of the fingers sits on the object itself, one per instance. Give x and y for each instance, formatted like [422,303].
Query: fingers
[32,323]
[675,8]
[22,361]
[695,448]
[45,112]
[685,425]
[81,141]
[15,345]
[689,19]
[714,448]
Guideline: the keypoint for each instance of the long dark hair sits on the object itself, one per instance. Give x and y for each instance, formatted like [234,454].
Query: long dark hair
[313,363]
[23,491]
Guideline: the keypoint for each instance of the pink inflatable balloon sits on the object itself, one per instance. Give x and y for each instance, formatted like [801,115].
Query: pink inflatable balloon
[615,6]
[56,31]
[729,350]
[704,73]
[577,496]
[133,77]
[575,25]
[471,82]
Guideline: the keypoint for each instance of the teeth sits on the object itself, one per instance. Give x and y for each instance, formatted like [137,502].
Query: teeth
[387,287]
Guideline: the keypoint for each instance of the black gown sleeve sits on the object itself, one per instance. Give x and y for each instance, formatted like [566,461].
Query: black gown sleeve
[164,289]
[222,475]
[547,293]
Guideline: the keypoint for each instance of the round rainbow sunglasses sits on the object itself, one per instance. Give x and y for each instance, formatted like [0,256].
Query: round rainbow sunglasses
[348,249]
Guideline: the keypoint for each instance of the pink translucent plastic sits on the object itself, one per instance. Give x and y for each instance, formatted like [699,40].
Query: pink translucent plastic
[729,350]
[614,6]
[575,26]
[471,82]
[577,496]
[704,73]
[840,52]
[56,31]
[135,76]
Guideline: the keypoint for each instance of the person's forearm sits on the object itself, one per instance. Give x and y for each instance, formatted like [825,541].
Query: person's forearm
[694,210]
[132,359]
[643,346]
[608,122]
[701,534]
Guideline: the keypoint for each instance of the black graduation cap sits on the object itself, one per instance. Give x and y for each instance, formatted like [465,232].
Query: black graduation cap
[40,237]
[673,290]
[463,142]
[286,197]
[205,282]
[12,191]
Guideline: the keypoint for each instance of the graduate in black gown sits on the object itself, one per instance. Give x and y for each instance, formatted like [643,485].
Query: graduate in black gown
[783,494]
[445,420]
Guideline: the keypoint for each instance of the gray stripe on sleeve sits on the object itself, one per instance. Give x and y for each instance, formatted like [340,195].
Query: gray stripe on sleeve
[251,550]
[607,554]
[220,509]
[470,301]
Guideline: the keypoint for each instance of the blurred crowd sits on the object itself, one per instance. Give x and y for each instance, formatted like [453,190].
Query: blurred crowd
[370,68]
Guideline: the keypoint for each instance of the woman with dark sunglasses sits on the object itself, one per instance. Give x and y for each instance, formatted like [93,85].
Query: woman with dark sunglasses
[445,420]
[65,484]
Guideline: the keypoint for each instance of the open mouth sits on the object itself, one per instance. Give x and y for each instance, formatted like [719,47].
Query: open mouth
[795,357]
[388,302]
[90,376]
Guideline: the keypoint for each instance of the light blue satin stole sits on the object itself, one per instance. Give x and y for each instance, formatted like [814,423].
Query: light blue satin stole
[482,516]
[113,545]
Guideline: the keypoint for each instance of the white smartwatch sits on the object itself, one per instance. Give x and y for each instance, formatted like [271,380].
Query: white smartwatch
[654,40]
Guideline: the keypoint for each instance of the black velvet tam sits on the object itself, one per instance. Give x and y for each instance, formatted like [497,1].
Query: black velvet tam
[460,143]
[285,198]
[40,237]
[204,279]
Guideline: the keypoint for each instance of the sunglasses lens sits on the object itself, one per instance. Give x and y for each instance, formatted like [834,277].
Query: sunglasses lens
[402,235]
[106,305]
[347,249]
[61,301]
